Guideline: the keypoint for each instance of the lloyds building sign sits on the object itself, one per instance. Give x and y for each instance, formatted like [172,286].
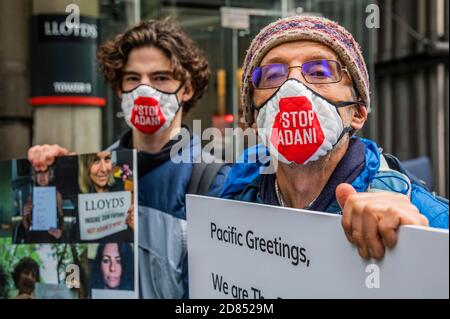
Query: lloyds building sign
[62,61]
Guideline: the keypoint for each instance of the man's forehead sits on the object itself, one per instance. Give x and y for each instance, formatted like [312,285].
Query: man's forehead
[301,50]
[146,69]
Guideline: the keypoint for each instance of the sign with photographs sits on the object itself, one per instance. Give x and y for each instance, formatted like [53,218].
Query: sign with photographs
[69,232]
[252,251]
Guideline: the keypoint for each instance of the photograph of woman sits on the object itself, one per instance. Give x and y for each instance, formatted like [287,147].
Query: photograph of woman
[96,175]
[113,267]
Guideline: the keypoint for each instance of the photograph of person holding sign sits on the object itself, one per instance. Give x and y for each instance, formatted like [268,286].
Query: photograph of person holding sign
[306,89]
[113,267]
[43,216]
[96,177]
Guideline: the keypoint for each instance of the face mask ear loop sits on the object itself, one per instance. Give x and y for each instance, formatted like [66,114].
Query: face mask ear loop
[256,108]
[346,130]
[180,104]
[179,88]
[349,129]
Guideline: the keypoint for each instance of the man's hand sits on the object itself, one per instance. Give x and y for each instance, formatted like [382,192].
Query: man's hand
[371,220]
[27,209]
[130,217]
[43,156]
[55,232]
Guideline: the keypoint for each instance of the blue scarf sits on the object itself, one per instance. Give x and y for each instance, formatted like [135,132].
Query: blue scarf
[350,166]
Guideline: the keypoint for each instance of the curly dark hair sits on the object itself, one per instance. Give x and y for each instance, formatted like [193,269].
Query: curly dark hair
[187,59]
[127,260]
[25,264]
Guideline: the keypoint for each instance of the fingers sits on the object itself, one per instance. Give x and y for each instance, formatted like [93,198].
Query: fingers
[55,232]
[347,218]
[27,209]
[130,217]
[395,217]
[371,236]
[354,208]
[353,203]
[343,191]
[371,220]
[388,227]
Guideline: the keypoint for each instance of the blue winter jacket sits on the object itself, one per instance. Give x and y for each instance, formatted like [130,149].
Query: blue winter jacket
[243,183]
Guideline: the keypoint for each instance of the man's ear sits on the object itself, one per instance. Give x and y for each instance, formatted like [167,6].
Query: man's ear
[359,117]
[187,92]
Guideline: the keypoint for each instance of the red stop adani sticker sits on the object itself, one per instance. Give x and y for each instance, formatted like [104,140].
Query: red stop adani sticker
[296,132]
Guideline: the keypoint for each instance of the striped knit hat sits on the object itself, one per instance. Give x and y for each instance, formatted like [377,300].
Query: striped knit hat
[305,28]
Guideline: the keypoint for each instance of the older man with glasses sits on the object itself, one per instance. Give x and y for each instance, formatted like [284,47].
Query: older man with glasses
[305,88]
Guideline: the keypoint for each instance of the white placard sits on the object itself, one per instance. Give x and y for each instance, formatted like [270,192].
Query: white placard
[54,291]
[44,208]
[244,250]
[102,214]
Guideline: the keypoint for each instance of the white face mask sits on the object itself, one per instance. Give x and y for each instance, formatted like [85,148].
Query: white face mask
[148,110]
[298,125]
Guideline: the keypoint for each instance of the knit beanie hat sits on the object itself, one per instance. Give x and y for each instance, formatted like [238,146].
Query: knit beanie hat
[311,28]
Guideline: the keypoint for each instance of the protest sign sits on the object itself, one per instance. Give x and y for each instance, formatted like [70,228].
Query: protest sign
[60,256]
[102,214]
